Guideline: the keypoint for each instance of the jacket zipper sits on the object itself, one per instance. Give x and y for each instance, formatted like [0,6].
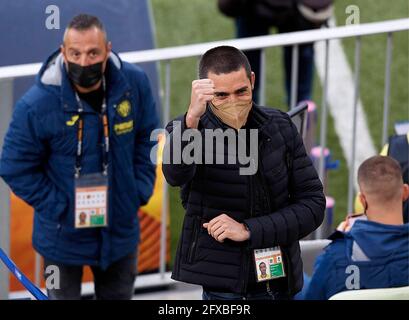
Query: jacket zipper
[269,207]
[192,248]
[246,249]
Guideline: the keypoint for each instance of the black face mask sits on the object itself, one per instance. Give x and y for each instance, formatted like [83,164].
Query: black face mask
[86,76]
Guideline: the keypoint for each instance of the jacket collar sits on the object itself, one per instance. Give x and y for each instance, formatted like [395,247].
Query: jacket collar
[54,73]
[377,239]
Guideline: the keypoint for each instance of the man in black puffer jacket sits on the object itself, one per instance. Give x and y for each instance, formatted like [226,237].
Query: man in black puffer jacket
[232,209]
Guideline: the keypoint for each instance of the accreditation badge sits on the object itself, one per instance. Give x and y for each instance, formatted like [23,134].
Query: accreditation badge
[269,264]
[91,201]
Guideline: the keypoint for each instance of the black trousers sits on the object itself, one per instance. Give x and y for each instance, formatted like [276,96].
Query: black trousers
[114,283]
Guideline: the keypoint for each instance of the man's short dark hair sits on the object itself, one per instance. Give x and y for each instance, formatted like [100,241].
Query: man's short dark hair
[380,176]
[84,22]
[223,59]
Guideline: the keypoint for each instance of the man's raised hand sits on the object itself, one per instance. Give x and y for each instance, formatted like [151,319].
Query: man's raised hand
[202,92]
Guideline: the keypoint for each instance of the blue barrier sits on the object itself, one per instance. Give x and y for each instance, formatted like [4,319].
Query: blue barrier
[36,292]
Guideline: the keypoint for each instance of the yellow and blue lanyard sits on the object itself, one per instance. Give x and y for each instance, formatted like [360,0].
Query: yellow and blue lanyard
[80,134]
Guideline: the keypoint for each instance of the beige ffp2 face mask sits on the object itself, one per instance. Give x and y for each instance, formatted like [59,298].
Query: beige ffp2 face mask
[234,114]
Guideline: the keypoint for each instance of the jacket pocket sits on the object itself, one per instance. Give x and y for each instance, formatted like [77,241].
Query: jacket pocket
[195,235]
[54,206]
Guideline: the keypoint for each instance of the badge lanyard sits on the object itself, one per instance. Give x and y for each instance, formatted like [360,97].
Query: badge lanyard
[80,135]
[91,190]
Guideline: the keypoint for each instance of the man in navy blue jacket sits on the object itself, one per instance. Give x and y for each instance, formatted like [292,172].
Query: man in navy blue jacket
[375,251]
[88,115]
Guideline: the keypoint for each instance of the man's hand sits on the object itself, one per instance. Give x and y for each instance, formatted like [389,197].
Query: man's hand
[223,227]
[343,227]
[202,92]
[346,225]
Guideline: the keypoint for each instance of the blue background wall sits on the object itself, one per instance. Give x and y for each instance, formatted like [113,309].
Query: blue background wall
[24,37]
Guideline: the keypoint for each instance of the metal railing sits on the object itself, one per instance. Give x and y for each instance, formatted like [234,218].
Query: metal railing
[166,55]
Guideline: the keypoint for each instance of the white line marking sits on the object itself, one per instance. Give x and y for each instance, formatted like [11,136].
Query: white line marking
[341,100]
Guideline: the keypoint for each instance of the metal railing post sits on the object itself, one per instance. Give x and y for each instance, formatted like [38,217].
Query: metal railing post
[354,124]
[37,269]
[262,91]
[323,130]
[324,113]
[163,234]
[6,107]
[387,88]
[294,76]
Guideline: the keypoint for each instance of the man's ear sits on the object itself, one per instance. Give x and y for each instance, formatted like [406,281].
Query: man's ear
[253,80]
[109,48]
[62,50]
[405,192]
[362,199]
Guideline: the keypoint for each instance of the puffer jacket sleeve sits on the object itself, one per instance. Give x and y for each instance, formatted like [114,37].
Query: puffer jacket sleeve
[176,172]
[144,166]
[23,157]
[318,286]
[307,205]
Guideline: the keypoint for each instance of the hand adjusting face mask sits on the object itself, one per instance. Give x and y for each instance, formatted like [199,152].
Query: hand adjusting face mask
[233,114]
